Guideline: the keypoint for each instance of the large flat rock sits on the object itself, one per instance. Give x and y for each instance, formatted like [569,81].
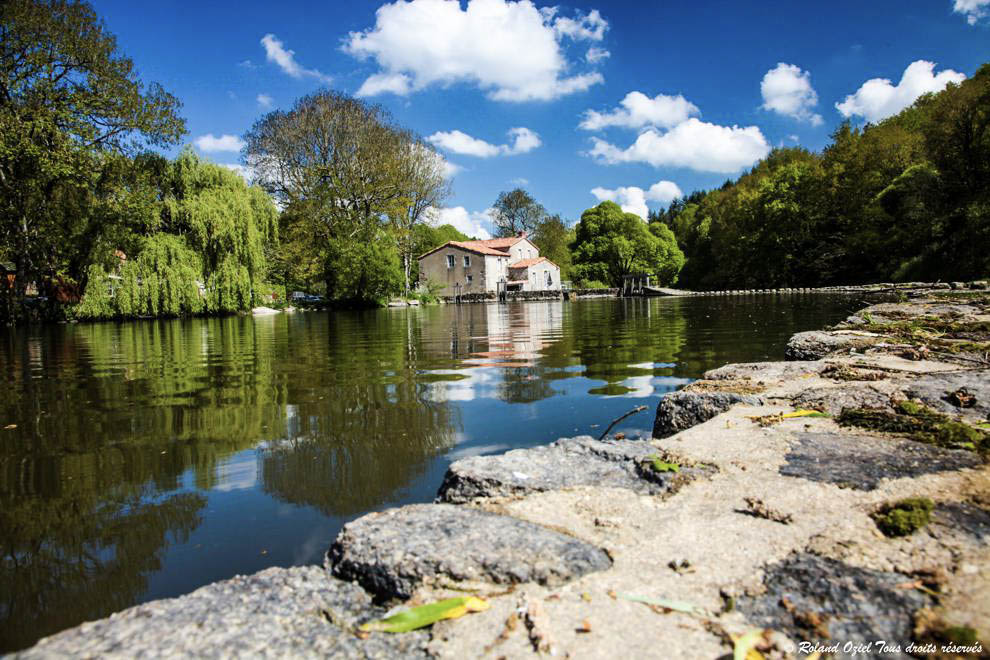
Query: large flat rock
[862,461]
[822,600]
[392,552]
[566,463]
[817,344]
[278,612]
[936,391]
[682,410]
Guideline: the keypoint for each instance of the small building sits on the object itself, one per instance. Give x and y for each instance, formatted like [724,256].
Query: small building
[479,266]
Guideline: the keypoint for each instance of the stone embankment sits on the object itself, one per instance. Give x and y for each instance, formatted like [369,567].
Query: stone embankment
[866,519]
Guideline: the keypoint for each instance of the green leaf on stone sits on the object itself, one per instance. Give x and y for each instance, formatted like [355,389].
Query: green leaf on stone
[675,605]
[425,615]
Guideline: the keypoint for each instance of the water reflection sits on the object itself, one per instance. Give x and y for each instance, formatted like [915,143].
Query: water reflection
[145,459]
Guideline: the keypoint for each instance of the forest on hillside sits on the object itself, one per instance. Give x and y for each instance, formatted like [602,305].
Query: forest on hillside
[906,199]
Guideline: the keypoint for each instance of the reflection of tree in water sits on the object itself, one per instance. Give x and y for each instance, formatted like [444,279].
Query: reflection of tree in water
[377,428]
[619,340]
[87,483]
[79,554]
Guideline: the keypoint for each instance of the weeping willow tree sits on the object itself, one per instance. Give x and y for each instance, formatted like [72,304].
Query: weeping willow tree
[199,248]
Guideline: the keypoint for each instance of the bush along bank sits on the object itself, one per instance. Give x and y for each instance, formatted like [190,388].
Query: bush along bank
[761,521]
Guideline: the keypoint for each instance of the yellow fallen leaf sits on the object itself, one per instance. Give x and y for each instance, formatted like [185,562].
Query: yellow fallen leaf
[424,615]
[744,647]
[804,413]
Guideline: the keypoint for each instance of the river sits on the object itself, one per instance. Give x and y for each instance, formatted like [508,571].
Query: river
[142,460]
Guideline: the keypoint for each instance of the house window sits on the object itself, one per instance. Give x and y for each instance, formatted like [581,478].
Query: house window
[470,278]
[450,261]
[467,261]
[549,279]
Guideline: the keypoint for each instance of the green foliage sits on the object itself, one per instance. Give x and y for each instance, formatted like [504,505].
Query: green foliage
[201,247]
[904,517]
[363,272]
[70,104]
[552,236]
[516,211]
[610,243]
[344,171]
[907,198]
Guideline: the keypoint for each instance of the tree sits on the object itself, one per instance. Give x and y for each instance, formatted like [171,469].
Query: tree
[207,231]
[421,169]
[610,243]
[553,237]
[68,102]
[343,171]
[516,211]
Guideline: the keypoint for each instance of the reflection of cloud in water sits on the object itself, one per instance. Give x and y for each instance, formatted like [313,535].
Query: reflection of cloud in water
[239,473]
[477,450]
[638,387]
[477,383]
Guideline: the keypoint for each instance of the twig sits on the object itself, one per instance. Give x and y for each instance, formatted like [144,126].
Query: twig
[635,410]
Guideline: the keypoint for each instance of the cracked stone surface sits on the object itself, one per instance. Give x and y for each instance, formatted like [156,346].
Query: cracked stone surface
[862,461]
[935,390]
[819,599]
[682,410]
[817,344]
[566,463]
[279,612]
[392,552]
[834,398]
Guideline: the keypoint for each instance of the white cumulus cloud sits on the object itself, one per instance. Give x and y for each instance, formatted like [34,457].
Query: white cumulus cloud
[246,172]
[209,143]
[512,50]
[787,90]
[523,141]
[973,10]
[276,52]
[265,101]
[473,223]
[632,199]
[638,110]
[596,55]
[693,144]
[590,26]
[878,98]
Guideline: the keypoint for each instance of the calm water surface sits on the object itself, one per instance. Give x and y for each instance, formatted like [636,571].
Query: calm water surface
[145,459]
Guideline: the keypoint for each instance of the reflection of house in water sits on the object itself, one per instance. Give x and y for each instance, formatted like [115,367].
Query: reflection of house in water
[495,349]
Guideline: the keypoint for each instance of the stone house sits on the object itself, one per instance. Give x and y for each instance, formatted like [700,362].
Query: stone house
[479,266]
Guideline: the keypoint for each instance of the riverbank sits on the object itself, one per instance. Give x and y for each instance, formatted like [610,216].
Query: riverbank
[739,518]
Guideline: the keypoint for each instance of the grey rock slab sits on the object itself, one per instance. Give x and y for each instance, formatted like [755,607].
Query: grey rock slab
[935,390]
[833,398]
[278,612]
[566,463]
[392,552]
[817,344]
[862,461]
[852,604]
[765,371]
[682,410]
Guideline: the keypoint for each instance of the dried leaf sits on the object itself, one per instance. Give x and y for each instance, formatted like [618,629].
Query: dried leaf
[424,615]
[675,605]
[10,427]
[744,647]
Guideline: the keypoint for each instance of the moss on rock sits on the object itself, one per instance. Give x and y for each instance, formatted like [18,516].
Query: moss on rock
[904,517]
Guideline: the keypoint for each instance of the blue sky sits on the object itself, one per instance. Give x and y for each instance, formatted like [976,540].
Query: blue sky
[579,102]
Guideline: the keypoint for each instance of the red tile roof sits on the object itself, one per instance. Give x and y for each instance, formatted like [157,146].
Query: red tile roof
[526,263]
[477,247]
[501,243]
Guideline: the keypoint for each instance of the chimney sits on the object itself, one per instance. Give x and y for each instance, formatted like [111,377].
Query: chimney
[521,233]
